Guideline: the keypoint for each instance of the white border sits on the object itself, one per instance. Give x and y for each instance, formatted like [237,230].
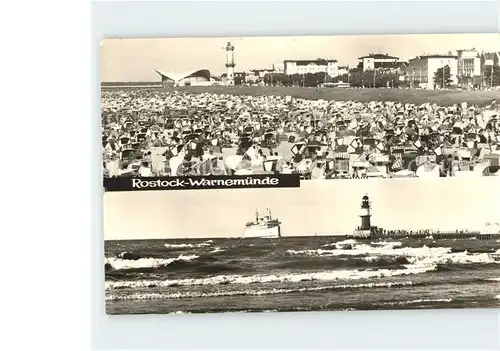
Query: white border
[45,246]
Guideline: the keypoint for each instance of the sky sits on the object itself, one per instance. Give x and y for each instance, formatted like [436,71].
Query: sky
[134,60]
[322,207]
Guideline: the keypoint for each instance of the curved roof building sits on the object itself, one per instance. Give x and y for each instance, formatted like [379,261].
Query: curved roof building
[195,77]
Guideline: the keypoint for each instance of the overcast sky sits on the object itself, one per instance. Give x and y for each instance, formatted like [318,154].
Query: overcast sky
[136,59]
[316,207]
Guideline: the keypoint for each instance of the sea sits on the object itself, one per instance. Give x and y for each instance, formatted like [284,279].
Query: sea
[314,273]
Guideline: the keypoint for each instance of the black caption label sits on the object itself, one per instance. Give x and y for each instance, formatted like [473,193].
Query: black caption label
[201,182]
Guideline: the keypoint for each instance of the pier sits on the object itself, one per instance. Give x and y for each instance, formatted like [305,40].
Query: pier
[369,232]
[377,233]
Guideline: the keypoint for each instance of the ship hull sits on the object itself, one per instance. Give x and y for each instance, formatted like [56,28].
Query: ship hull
[260,232]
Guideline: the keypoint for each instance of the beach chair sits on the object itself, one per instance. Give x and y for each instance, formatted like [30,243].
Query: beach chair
[269,140]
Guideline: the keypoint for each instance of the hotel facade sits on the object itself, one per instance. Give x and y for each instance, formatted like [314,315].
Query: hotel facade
[375,61]
[421,70]
[469,67]
[330,67]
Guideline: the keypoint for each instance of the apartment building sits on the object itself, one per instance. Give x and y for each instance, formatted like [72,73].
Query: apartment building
[330,67]
[468,67]
[421,70]
[376,61]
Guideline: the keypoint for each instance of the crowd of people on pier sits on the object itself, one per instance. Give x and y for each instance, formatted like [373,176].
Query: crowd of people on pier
[426,232]
[163,133]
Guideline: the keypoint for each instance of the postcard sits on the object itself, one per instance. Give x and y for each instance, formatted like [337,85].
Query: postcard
[275,174]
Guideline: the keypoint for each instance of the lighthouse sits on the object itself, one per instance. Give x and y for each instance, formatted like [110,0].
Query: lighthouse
[365,213]
[230,63]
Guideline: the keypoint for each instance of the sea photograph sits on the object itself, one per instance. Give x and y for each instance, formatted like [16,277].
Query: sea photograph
[326,246]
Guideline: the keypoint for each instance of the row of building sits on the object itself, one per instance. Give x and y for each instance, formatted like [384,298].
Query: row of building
[467,68]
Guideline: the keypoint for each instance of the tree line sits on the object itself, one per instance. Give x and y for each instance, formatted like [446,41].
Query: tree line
[366,79]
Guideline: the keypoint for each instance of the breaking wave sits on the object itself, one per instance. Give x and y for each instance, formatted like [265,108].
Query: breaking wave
[187,294]
[187,246]
[493,279]
[417,301]
[270,278]
[342,244]
[382,248]
[180,312]
[387,244]
[121,263]
[421,255]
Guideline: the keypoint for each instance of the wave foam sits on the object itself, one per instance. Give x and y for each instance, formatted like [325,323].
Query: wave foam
[120,263]
[180,312]
[456,258]
[183,295]
[387,244]
[383,248]
[180,246]
[419,255]
[341,244]
[291,277]
[416,301]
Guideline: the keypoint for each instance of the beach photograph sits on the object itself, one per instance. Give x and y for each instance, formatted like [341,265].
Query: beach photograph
[326,246]
[322,107]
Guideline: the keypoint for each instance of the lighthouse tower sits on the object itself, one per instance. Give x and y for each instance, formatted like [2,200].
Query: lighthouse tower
[230,63]
[365,213]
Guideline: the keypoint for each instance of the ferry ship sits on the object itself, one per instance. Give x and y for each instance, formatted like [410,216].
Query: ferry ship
[263,227]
